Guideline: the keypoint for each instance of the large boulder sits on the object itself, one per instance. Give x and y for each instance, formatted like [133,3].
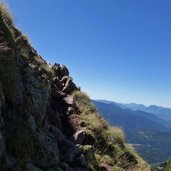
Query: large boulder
[69,86]
[69,100]
[56,69]
[70,111]
[80,137]
[57,83]
[83,138]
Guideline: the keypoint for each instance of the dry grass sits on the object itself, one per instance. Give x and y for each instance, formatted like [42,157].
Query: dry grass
[109,145]
[141,163]
[113,134]
[83,103]
[5,13]
[44,66]
[94,123]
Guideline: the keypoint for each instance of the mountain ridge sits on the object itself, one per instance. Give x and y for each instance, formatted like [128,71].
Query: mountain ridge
[133,103]
[146,129]
[161,112]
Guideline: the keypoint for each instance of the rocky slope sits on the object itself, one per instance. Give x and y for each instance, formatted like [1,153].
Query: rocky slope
[46,122]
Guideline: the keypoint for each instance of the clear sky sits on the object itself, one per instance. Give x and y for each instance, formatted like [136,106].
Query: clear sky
[116,50]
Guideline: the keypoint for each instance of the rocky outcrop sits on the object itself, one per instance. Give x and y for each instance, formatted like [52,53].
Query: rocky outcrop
[34,97]
[41,128]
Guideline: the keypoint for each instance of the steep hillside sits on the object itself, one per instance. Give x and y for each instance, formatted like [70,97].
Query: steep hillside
[148,133]
[161,112]
[46,122]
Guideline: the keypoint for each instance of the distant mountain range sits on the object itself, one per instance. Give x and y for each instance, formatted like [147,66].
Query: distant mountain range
[159,111]
[148,129]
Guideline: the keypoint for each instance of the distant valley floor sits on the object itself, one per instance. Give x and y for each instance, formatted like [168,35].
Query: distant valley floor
[149,133]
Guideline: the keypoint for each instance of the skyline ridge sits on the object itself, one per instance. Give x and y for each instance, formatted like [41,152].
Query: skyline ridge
[121,50]
[133,103]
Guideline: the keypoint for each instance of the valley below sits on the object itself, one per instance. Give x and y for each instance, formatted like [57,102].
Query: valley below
[146,128]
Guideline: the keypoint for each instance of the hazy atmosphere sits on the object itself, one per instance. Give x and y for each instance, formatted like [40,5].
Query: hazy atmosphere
[115,50]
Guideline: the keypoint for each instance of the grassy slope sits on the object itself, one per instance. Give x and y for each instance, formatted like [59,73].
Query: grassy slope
[110,148]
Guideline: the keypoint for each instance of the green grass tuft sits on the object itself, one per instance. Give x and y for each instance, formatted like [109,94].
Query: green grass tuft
[83,103]
[113,134]
[109,146]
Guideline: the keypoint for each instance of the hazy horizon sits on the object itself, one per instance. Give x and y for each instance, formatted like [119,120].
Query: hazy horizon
[146,105]
[115,50]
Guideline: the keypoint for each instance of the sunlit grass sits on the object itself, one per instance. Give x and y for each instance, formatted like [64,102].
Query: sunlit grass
[5,13]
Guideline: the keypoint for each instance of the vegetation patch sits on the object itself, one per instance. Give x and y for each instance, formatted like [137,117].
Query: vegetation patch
[5,13]
[83,103]
[110,149]
[113,134]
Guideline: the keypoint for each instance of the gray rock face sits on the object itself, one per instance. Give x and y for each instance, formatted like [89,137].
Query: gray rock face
[47,151]
[69,86]
[35,101]
[54,119]
[37,95]
[64,71]
[31,167]
[72,153]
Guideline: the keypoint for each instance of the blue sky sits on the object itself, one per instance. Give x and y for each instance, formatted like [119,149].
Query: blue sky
[115,49]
